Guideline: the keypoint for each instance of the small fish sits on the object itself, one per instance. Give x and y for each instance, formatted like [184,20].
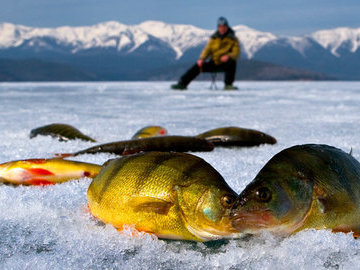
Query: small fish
[236,136]
[162,144]
[302,187]
[45,171]
[61,131]
[150,131]
[171,195]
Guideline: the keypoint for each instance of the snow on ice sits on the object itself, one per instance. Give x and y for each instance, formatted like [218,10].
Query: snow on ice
[49,227]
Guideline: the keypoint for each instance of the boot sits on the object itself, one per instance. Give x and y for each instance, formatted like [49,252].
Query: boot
[178,86]
[230,87]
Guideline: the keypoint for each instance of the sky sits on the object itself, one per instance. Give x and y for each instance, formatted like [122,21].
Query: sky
[282,17]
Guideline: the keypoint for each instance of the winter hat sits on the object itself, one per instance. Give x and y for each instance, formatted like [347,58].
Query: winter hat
[222,21]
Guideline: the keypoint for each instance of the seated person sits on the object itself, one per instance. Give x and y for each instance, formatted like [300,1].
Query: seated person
[222,51]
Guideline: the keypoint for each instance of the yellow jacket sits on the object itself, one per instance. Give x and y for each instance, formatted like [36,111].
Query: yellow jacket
[219,46]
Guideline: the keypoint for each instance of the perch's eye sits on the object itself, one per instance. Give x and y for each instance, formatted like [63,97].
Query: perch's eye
[227,201]
[263,194]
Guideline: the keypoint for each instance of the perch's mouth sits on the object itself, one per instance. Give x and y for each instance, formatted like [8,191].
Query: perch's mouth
[245,221]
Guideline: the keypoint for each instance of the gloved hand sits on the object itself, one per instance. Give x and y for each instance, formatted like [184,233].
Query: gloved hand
[200,63]
[224,58]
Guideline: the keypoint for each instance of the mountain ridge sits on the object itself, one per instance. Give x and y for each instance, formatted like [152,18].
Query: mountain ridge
[103,34]
[334,51]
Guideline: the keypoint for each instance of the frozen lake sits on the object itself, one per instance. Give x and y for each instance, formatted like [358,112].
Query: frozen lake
[48,227]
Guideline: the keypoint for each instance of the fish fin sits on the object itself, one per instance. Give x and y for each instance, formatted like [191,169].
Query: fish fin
[129,151]
[134,232]
[38,182]
[86,209]
[36,160]
[39,171]
[322,205]
[64,155]
[347,229]
[36,177]
[150,204]
[107,162]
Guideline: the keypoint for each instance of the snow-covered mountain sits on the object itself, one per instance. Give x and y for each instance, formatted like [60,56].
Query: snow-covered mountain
[338,38]
[180,37]
[103,35]
[160,43]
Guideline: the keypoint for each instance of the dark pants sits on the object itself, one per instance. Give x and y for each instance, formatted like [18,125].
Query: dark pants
[228,67]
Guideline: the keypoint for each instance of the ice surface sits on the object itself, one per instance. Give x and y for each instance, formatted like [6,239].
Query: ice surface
[50,228]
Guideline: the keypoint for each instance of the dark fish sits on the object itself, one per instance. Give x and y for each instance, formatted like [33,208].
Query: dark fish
[61,131]
[162,144]
[236,136]
[302,187]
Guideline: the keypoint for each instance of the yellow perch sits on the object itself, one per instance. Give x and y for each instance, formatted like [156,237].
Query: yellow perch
[45,171]
[150,131]
[172,195]
[302,187]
